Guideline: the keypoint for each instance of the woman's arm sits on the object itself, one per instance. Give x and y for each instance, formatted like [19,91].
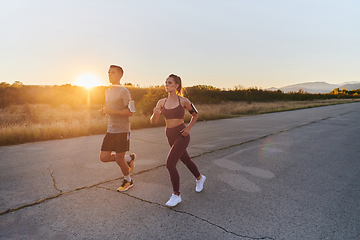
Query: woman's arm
[188,106]
[156,112]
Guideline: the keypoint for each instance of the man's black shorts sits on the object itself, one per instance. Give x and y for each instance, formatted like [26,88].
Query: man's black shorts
[118,142]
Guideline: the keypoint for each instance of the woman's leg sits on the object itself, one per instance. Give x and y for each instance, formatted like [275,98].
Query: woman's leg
[177,150]
[186,159]
[200,179]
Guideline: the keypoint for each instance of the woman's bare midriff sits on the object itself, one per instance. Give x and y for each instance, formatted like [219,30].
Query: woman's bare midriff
[170,123]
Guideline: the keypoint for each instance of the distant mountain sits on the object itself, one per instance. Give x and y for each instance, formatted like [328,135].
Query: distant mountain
[352,86]
[317,87]
[311,87]
[272,89]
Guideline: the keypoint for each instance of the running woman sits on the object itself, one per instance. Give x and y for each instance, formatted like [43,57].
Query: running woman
[117,138]
[173,109]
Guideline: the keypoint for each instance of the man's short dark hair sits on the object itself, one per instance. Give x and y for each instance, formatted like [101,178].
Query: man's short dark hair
[118,68]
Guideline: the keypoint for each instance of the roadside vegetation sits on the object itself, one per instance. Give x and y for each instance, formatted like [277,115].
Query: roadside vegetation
[37,113]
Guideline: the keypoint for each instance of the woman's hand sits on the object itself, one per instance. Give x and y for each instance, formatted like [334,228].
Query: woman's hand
[185,132]
[156,110]
[155,116]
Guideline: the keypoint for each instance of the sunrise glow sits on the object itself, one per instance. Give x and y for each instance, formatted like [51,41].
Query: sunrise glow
[88,81]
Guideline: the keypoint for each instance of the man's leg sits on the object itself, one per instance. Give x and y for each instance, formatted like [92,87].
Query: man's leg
[108,156]
[120,160]
[127,182]
[120,143]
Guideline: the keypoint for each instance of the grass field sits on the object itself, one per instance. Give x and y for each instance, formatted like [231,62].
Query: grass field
[40,122]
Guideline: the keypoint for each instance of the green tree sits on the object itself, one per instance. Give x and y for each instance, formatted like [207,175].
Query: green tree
[149,100]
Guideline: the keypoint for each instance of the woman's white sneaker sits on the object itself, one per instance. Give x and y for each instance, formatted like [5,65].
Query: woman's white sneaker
[200,184]
[174,200]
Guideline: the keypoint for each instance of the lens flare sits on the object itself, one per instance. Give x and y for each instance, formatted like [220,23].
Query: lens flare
[266,149]
[88,81]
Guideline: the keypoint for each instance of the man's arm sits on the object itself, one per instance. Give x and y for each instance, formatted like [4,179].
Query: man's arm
[124,112]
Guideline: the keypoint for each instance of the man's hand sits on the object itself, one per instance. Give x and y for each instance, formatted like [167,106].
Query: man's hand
[106,109]
[101,111]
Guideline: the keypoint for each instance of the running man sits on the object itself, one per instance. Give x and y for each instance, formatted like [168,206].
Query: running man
[117,138]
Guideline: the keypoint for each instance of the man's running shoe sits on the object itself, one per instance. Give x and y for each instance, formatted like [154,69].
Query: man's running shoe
[131,164]
[125,186]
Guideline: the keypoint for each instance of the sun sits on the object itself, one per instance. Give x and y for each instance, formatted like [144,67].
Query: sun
[88,80]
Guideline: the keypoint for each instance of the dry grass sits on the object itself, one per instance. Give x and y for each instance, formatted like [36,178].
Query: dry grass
[236,109]
[39,122]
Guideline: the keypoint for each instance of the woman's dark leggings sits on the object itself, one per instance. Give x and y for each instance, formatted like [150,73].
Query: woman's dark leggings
[178,151]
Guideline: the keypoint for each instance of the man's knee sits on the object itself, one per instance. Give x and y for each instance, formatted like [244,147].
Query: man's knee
[104,157]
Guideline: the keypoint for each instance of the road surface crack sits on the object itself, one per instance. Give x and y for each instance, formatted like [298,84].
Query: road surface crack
[53,179]
[52,197]
[162,165]
[187,213]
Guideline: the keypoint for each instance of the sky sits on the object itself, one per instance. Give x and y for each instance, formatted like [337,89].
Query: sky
[223,43]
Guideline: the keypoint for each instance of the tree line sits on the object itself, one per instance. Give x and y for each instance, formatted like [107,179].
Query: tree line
[146,97]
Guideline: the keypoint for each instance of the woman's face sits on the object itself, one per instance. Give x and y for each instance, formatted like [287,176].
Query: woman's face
[170,84]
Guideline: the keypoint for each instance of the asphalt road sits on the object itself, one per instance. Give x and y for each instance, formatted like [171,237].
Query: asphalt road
[288,175]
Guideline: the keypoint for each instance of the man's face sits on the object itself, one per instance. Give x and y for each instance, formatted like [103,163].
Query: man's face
[114,75]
